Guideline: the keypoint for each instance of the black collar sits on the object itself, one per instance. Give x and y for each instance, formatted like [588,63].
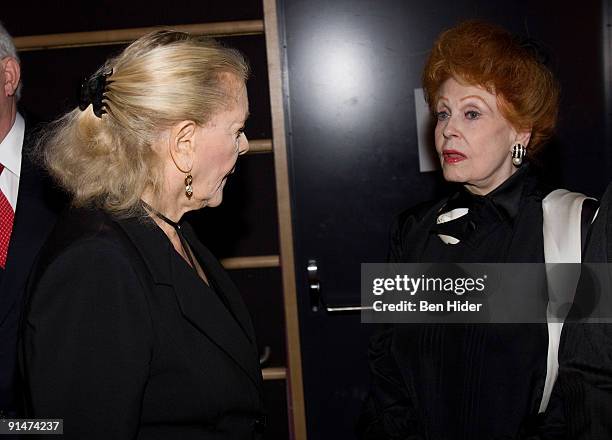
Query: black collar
[505,199]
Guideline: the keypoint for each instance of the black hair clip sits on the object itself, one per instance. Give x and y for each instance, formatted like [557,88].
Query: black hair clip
[93,91]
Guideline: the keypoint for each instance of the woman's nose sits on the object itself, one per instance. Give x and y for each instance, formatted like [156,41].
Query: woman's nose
[450,128]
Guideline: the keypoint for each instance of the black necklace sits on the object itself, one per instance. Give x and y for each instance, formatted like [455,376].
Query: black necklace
[177,228]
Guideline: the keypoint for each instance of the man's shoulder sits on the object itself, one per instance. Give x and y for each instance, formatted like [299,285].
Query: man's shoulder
[35,183]
[599,243]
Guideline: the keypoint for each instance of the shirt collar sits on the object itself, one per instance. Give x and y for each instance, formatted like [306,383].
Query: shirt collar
[11,146]
[506,198]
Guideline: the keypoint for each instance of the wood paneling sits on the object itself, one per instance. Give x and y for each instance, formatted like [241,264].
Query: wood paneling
[294,358]
[122,36]
[257,262]
[274,373]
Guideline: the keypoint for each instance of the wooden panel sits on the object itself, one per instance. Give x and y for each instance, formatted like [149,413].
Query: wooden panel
[274,373]
[294,360]
[260,146]
[258,262]
[122,36]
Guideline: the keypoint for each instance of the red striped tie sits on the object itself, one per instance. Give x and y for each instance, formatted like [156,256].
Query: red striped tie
[6,225]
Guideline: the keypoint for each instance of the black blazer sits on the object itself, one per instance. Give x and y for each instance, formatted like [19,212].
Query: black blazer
[123,340]
[585,352]
[38,203]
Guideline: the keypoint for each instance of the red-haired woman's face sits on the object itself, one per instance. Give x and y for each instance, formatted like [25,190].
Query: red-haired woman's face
[473,139]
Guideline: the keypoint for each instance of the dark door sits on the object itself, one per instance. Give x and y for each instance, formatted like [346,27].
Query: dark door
[351,70]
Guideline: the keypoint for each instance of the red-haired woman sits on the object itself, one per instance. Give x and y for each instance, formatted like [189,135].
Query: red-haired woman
[495,103]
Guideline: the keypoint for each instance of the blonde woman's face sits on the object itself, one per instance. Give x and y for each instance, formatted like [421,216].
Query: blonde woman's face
[473,139]
[218,145]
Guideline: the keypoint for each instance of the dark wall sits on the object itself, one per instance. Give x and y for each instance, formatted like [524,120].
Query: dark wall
[607,50]
[33,17]
[584,155]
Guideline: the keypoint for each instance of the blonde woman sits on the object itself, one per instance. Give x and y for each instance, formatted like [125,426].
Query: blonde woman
[132,329]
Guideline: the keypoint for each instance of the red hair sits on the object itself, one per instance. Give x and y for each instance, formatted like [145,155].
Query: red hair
[483,54]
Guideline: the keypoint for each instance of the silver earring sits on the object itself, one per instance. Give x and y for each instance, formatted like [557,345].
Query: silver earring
[188,187]
[518,153]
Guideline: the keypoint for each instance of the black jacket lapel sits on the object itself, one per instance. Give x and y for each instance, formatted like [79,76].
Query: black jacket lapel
[226,286]
[205,310]
[199,304]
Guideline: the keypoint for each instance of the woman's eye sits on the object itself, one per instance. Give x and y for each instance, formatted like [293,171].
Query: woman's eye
[442,115]
[472,114]
[239,133]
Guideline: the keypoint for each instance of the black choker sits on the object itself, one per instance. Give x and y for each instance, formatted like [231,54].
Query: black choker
[177,228]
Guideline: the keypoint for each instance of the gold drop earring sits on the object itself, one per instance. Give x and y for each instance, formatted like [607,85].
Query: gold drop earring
[188,187]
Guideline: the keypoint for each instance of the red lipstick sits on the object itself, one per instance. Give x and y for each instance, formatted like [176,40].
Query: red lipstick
[453,156]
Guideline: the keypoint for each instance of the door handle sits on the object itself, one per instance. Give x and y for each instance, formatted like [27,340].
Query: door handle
[314,285]
[317,300]
[265,356]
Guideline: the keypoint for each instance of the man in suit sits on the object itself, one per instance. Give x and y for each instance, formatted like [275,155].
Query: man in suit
[27,212]
[585,353]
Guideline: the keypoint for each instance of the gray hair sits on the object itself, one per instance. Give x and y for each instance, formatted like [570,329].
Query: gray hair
[8,49]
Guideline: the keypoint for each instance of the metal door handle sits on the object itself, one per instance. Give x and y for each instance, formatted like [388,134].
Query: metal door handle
[314,285]
[344,309]
[265,356]
[317,299]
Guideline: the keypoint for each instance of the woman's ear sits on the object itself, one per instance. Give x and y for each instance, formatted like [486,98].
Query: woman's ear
[523,137]
[181,145]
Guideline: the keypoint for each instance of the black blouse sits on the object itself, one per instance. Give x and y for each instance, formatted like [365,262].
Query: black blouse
[463,381]
[502,226]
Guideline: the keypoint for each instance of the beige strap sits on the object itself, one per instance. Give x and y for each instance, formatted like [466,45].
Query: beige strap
[562,215]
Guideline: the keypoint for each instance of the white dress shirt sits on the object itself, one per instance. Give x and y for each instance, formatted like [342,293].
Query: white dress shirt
[10,157]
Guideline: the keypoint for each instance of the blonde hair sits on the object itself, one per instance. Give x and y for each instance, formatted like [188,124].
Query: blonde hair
[160,79]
